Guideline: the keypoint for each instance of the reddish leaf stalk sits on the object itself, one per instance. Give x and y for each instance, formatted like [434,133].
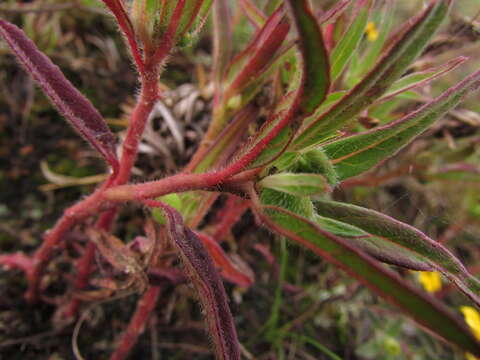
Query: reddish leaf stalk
[226,267]
[85,264]
[118,10]
[148,97]
[53,237]
[18,261]
[231,214]
[267,42]
[198,6]
[168,39]
[145,307]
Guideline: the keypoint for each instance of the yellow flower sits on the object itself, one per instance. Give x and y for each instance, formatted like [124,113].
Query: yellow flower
[431,281]
[371,31]
[472,318]
[469,356]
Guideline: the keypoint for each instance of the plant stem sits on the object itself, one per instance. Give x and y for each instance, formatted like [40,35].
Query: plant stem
[85,264]
[52,238]
[145,306]
[148,97]
[231,213]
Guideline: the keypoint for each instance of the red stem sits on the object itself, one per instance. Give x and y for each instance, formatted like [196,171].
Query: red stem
[118,10]
[148,97]
[54,236]
[168,40]
[85,265]
[145,306]
[232,212]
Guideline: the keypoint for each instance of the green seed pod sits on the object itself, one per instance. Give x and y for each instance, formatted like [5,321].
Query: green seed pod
[391,346]
[300,205]
[315,161]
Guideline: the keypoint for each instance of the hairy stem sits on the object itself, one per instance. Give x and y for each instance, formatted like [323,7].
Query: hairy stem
[148,97]
[85,265]
[145,306]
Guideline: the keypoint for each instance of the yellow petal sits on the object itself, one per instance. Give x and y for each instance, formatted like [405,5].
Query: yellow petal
[431,281]
[472,318]
[469,356]
[371,31]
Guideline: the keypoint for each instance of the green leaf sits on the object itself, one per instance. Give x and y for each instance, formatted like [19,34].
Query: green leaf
[297,204]
[419,245]
[421,78]
[329,101]
[425,309]
[350,40]
[278,131]
[358,153]
[281,115]
[316,77]
[377,247]
[172,200]
[296,184]
[315,161]
[392,65]
[223,147]
[253,13]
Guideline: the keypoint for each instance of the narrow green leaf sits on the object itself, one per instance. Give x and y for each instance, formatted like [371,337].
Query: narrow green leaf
[329,101]
[254,14]
[425,309]
[278,131]
[316,77]
[296,184]
[420,78]
[350,40]
[393,64]
[358,153]
[281,114]
[377,247]
[412,240]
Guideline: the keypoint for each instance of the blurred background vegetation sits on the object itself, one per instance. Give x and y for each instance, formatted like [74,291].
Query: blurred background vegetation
[299,307]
